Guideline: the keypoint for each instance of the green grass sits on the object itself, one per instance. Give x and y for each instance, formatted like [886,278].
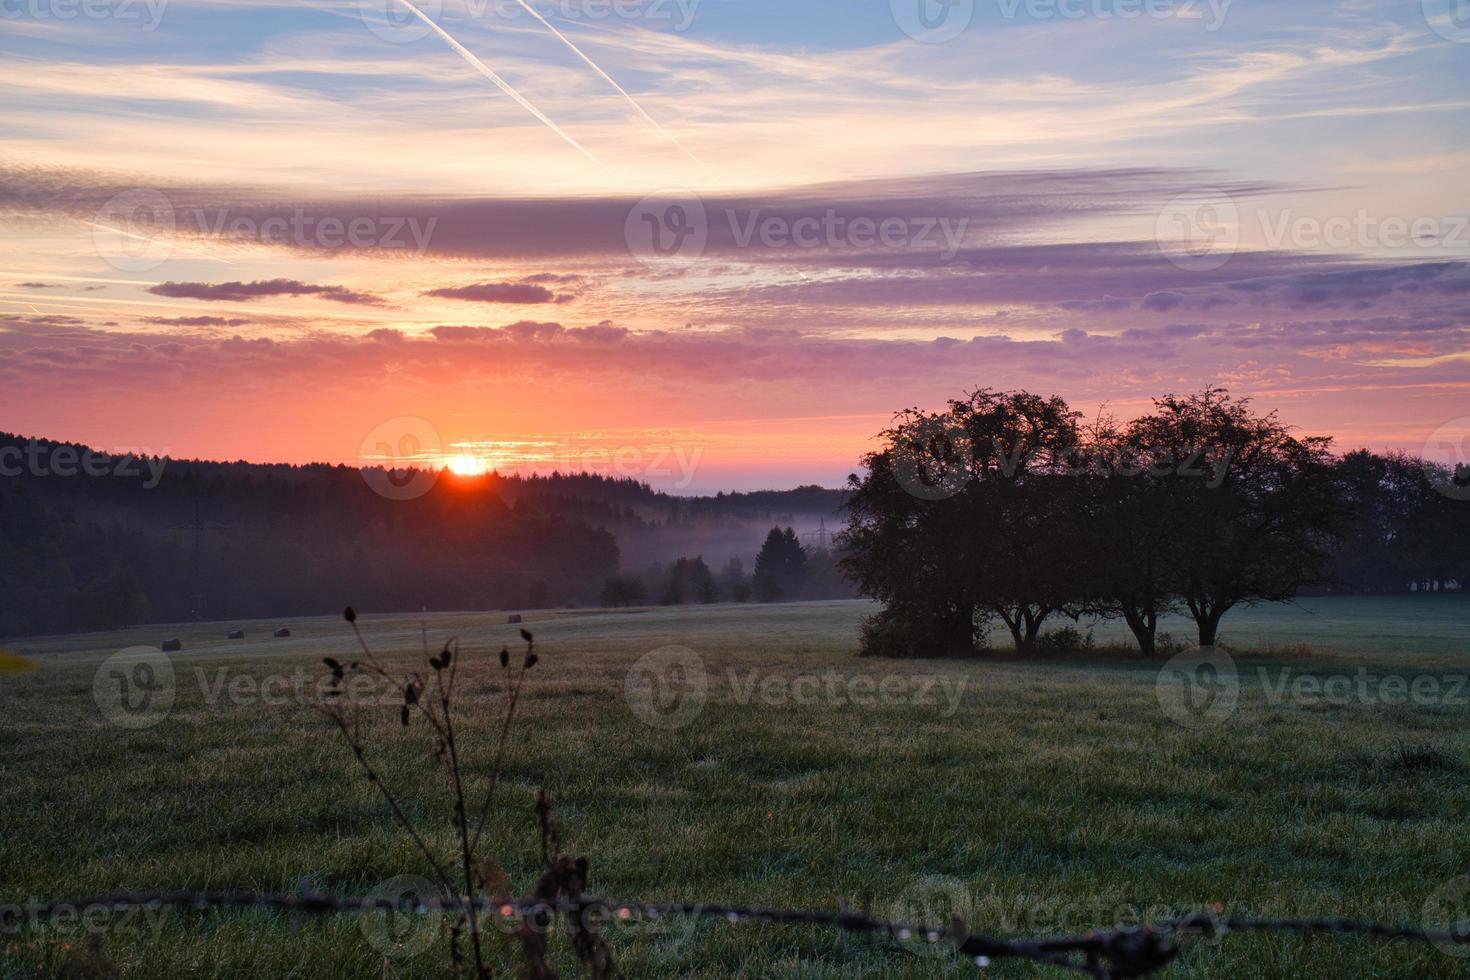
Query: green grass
[1059,796]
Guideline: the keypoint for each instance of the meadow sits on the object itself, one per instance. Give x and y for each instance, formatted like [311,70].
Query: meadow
[1027,796]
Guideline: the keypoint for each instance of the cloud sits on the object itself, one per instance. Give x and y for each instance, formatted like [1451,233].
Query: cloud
[37,285]
[195,321]
[522,293]
[241,292]
[983,208]
[1162,302]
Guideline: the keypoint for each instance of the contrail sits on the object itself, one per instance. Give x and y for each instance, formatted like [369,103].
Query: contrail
[154,241]
[503,85]
[620,90]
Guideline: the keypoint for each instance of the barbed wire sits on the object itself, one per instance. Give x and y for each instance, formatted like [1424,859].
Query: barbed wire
[1117,954]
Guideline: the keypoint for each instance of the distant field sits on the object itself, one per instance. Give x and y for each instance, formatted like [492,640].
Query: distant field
[1028,797]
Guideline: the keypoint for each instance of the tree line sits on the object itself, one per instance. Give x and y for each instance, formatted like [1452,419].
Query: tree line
[122,541]
[1008,509]
[785,570]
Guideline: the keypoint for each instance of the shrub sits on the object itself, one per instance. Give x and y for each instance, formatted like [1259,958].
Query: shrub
[888,635]
[1067,639]
[1169,645]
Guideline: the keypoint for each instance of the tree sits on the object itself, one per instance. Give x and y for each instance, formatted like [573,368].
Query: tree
[968,514]
[734,583]
[1126,548]
[1019,510]
[689,580]
[1249,508]
[622,591]
[780,567]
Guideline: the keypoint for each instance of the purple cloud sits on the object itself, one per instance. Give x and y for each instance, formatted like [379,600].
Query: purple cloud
[523,293]
[195,321]
[241,292]
[1162,302]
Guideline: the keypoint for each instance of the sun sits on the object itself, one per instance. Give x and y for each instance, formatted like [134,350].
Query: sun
[465,465]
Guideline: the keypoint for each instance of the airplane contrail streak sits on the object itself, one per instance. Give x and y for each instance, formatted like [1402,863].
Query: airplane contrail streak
[611,81]
[503,85]
[155,241]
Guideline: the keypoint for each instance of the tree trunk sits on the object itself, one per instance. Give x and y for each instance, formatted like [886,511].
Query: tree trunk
[1208,620]
[1144,623]
[1033,629]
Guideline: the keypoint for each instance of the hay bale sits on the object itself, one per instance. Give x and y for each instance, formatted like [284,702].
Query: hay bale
[237,635]
[282,632]
[173,646]
[513,618]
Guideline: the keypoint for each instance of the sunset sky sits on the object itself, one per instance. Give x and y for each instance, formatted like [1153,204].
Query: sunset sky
[285,231]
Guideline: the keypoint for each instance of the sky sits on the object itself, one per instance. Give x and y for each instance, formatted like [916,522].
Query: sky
[717,244]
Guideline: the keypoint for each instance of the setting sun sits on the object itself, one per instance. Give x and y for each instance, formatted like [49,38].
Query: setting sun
[466,465]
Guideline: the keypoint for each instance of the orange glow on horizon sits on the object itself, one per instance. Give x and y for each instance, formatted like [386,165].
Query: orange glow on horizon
[466,465]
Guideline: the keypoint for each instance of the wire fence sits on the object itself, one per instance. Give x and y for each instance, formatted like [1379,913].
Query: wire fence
[1108,955]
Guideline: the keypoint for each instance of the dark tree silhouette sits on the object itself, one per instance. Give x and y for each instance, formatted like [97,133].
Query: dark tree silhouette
[1249,508]
[780,567]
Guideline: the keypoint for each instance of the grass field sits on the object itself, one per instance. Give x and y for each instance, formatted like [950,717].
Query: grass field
[1029,797]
